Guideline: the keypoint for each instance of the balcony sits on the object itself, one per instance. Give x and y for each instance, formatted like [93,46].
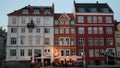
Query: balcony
[31,24]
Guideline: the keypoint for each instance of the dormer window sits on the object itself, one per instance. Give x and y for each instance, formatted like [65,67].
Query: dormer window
[81,9]
[93,9]
[105,9]
[47,11]
[36,11]
[25,11]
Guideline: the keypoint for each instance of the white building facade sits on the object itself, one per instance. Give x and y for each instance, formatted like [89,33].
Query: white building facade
[30,34]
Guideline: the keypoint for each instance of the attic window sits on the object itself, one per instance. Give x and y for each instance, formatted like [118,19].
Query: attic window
[105,9]
[25,11]
[81,9]
[47,11]
[36,11]
[93,9]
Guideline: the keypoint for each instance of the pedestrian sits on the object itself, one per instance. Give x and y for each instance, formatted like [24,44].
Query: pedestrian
[46,64]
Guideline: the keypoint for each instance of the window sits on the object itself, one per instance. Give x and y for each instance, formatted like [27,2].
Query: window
[118,44]
[47,30]
[61,41]
[118,35]
[72,41]
[72,30]
[105,10]
[13,40]
[119,53]
[96,53]
[61,22]
[81,9]
[101,51]
[93,9]
[21,52]
[30,39]
[25,11]
[30,30]
[13,30]
[56,41]
[22,30]
[14,20]
[56,22]
[80,19]
[89,30]
[81,52]
[37,39]
[89,19]
[30,19]
[37,30]
[108,19]
[62,52]
[96,41]
[91,53]
[67,22]
[67,41]
[30,52]
[23,20]
[36,11]
[22,39]
[81,41]
[37,20]
[99,19]
[12,52]
[90,41]
[56,31]
[108,30]
[67,31]
[73,52]
[95,30]
[61,31]
[72,22]
[81,30]
[101,41]
[47,41]
[47,11]
[47,20]
[94,19]
[67,53]
[37,52]
[109,41]
[100,30]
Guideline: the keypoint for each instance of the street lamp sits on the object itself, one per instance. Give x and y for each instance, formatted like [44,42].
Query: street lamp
[84,55]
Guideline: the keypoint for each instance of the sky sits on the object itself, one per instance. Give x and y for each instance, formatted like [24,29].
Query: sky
[61,6]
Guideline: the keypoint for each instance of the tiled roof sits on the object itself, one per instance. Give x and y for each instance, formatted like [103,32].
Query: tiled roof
[19,12]
[96,7]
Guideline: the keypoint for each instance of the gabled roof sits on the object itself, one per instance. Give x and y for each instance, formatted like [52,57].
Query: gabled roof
[88,7]
[31,10]
[57,16]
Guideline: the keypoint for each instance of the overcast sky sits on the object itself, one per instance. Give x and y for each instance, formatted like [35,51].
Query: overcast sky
[8,6]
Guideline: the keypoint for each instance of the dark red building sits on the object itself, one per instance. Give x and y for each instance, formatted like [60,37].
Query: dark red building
[94,32]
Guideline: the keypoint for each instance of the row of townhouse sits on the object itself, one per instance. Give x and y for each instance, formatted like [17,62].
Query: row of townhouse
[38,32]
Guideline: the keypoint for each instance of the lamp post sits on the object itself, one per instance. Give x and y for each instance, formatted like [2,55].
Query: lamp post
[84,55]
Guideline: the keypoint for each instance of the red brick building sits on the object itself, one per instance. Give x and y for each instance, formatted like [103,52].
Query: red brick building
[64,34]
[94,32]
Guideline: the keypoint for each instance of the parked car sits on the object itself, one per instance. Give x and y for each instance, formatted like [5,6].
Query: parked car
[78,63]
